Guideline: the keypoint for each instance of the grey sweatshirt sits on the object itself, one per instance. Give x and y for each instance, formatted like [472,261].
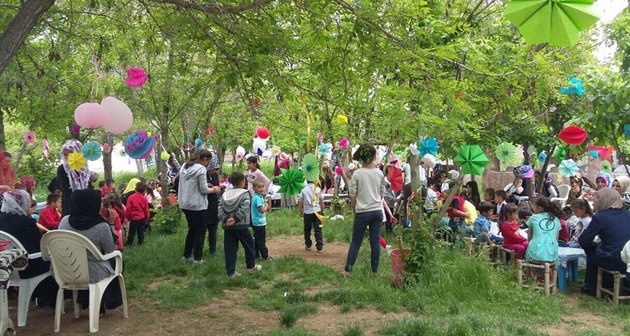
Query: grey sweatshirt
[235,204]
[193,188]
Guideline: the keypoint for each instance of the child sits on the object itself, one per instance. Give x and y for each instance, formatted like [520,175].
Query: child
[366,201]
[387,212]
[470,209]
[110,185]
[583,211]
[543,231]
[512,239]
[563,235]
[51,215]
[259,220]
[308,208]
[499,198]
[482,226]
[31,211]
[234,213]
[137,214]
[112,218]
[523,217]
[255,174]
[457,215]
[589,196]
[488,196]
[101,187]
[430,203]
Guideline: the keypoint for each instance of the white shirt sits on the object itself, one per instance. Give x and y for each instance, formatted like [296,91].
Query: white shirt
[407,171]
[423,174]
[306,195]
[432,197]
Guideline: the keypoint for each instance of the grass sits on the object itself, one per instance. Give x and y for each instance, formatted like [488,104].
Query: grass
[456,295]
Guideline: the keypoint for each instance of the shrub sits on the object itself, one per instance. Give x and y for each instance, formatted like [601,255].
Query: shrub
[167,224]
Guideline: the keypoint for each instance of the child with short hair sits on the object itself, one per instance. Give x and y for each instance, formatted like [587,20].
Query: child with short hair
[430,202]
[512,238]
[259,220]
[482,226]
[523,217]
[112,218]
[110,186]
[499,197]
[50,217]
[234,214]
[308,209]
[137,214]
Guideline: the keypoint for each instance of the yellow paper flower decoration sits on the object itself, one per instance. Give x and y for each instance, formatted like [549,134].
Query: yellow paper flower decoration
[342,119]
[76,161]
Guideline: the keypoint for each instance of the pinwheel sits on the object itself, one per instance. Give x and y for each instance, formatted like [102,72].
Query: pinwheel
[262,132]
[557,22]
[136,78]
[602,152]
[429,160]
[29,137]
[291,181]
[606,167]
[139,145]
[342,118]
[310,167]
[561,153]
[472,159]
[576,87]
[542,157]
[568,168]
[323,149]
[394,175]
[76,161]
[45,148]
[573,135]
[505,152]
[92,150]
[344,143]
[428,146]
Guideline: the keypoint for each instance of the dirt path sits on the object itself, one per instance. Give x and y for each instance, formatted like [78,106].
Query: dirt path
[333,255]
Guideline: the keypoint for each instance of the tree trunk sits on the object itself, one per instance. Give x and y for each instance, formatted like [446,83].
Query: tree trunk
[166,108]
[18,30]
[414,161]
[107,157]
[3,141]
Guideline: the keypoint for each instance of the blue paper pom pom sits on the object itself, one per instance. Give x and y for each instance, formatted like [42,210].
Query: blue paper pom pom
[626,131]
[594,154]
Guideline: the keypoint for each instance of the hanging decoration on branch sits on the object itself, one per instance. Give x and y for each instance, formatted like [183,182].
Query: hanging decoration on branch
[542,157]
[472,159]
[259,145]
[29,137]
[344,143]
[240,153]
[429,160]
[576,86]
[561,154]
[428,146]
[602,152]
[45,148]
[505,152]
[136,78]
[139,145]
[106,148]
[165,155]
[526,171]
[310,167]
[276,150]
[573,135]
[568,168]
[119,118]
[594,154]
[92,150]
[323,149]
[262,132]
[626,131]
[291,181]
[320,137]
[558,23]
[90,115]
[606,167]
[342,119]
[76,161]
[394,175]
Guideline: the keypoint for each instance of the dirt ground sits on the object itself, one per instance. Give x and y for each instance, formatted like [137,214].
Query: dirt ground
[230,315]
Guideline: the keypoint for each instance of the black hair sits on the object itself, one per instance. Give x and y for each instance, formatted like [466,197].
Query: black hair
[33,203]
[7,154]
[485,206]
[553,209]
[141,187]
[431,181]
[101,184]
[524,213]
[236,178]
[365,153]
[489,191]
[52,198]
[501,193]
[254,159]
[511,208]
[198,156]
[583,204]
[109,182]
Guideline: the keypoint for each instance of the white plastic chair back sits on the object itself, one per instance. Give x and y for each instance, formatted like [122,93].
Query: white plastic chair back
[563,190]
[67,252]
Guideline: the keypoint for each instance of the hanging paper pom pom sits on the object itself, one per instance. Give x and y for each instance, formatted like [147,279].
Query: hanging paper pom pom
[139,145]
[339,171]
[576,87]
[323,149]
[606,167]
[240,153]
[561,154]
[210,130]
[602,152]
[198,143]
[76,161]
[342,118]
[568,168]
[413,150]
[429,160]
[320,137]
[29,137]
[75,129]
[626,131]
[136,78]
[165,156]
[106,148]
[573,135]
[303,137]
[262,132]
[428,146]
[594,154]
[344,143]
[542,157]
[92,150]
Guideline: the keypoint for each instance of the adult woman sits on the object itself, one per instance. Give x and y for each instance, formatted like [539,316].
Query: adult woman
[255,174]
[213,203]
[543,232]
[473,193]
[576,191]
[86,220]
[130,189]
[15,220]
[621,184]
[611,224]
[603,180]
[549,188]
[329,179]
[193,190]
[173,167]
[68,179]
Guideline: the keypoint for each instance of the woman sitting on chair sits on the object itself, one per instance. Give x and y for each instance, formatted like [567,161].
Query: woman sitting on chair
[85,219]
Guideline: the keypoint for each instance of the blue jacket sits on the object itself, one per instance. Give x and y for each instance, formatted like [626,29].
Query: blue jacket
[613,228]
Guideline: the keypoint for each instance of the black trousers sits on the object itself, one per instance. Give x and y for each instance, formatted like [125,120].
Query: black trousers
[138,226]
[197,224]
[596,258]
[311,222]
[260,240]
[231,238]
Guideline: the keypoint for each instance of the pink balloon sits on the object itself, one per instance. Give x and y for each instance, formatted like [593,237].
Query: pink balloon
[78,114]
[119,117]
[90,115]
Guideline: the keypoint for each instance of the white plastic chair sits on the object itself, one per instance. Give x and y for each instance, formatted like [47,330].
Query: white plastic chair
[68,253]
[27,286]
[563,194]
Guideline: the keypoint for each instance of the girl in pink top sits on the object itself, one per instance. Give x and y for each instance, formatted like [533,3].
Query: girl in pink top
[255,174]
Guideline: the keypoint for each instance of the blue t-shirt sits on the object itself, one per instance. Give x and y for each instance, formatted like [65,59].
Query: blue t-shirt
[258,218]
[482,224]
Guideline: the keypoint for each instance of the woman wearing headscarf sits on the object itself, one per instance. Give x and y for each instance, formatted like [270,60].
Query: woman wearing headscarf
[621,184]
[603,180]
[16,221]
[611,223]
[576,191]
[86,220]
[68,179]
[213,203]
[549,188]
[129,190]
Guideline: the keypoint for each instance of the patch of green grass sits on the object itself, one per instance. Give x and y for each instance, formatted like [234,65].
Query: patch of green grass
[352,330]
[292,312]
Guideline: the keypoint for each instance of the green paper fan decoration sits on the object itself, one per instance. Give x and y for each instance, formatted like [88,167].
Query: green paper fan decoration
[310,167]
[606,167]
[561,154]
[291,181]
[505,152]
[472,159]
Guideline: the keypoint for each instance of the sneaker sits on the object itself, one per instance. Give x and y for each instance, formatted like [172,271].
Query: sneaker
[235,275]
[389,249]
[308,248]
[254,269]
[200,261]
[320,251]
[189,259]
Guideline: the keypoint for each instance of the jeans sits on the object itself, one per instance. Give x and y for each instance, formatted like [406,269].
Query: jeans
[197,224]
[457,225]
[260,242]
[231,238]
[311,222]
[362,221]
[136,226]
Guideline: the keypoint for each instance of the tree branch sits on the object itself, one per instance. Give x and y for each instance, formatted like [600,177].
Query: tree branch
[215,8]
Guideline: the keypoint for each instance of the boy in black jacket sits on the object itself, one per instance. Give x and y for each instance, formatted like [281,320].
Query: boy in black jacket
[235,214]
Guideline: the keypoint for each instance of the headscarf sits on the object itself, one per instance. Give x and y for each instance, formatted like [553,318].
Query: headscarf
[624,183]
[29,184]
[131,186]
[214,162]
[86,205]
[16,202]
[78,180]
[606,178]
[607,198]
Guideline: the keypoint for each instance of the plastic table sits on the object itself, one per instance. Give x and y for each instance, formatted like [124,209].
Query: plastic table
[568,265]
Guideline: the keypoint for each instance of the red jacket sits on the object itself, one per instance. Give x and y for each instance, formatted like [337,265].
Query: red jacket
[510,234]
[457,203]
[137,208]
[563,236]
[49,218]
[105,191]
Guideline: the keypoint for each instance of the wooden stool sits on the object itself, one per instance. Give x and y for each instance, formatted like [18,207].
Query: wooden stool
[550,281]
[505,261]
[618,287]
